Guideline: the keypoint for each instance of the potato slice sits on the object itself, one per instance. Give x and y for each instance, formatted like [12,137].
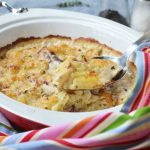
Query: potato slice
[76,75]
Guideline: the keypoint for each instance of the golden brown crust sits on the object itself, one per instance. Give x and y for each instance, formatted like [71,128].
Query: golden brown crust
[81,39]
[22,39]
[91,40]
[30,80]
[58,36]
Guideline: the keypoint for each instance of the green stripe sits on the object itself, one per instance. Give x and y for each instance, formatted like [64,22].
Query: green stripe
[9,128]
[122,119]
[142,111]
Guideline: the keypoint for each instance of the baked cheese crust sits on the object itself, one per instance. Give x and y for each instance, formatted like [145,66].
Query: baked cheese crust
[47,73]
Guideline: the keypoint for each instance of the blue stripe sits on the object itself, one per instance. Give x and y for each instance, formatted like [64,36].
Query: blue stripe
[140,78]
[35,145]
[45,145]
[125,146]
[139,84]
[13,138]
[6,130]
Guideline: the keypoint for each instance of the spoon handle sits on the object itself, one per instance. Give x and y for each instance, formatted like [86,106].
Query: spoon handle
[8,7]
[145,38]
[12,9]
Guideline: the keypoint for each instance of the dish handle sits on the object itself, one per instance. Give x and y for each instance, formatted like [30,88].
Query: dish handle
[12,9]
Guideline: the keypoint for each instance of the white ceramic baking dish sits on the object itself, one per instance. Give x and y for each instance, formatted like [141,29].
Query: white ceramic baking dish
[43,22]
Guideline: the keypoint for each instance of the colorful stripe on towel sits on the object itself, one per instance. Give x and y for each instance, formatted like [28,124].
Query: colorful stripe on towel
[128,129]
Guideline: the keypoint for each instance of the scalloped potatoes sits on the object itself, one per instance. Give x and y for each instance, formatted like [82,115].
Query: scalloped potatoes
[44,72]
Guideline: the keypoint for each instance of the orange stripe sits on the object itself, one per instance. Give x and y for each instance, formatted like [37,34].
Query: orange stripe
[146,89]
[148,85]
[2,138]
[77,127]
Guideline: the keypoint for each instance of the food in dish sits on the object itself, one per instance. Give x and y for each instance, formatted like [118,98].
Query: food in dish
[39,72]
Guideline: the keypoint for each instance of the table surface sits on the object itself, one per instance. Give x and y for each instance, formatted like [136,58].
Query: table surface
[95,5]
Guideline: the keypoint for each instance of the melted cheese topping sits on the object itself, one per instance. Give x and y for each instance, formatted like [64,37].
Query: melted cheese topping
[39,72]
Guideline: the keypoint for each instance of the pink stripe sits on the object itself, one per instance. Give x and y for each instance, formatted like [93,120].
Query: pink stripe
[53,132]
[146,93]
[88,126]
[145,98]
[138,135]
[130,137]
[3,134]
[29,135]
[135,105]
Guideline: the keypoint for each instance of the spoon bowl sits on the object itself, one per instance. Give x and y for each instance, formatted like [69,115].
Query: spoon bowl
[123,60]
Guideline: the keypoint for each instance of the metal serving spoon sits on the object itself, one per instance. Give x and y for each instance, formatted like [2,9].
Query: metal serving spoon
[123,60]
[80,83]
[11,9]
